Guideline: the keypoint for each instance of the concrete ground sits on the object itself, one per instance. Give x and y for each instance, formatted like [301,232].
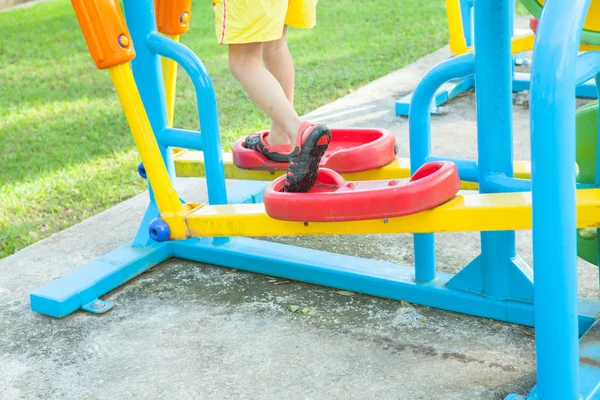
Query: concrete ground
[190,331]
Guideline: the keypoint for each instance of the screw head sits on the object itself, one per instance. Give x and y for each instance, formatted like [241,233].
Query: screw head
[97,304]
[185,18]
[142,171]
[124,41]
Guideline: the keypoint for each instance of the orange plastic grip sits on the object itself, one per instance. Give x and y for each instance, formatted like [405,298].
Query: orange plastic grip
[105,31]
[173,16]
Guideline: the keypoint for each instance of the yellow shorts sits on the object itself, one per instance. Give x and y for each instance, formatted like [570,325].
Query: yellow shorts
[252,21]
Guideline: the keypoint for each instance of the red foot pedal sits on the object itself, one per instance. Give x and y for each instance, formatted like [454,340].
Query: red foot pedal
[333,199]
[350,150]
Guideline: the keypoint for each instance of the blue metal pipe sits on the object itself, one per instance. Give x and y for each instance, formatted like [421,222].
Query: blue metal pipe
[207,110]
[466,9]
[588,65]
[419,121]
[467,169]
[493,82]
[180,138]
[498,183]
[553,82]
[420,145]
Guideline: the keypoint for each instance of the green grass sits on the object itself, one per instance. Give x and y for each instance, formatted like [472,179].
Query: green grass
[65,148]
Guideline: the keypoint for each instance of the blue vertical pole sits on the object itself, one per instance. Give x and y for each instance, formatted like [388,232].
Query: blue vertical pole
[147,71]
[466,9]
[513,7]
[553,190]
[420,149]
[493,85]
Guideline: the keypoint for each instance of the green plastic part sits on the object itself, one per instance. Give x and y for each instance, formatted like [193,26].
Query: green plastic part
[588,36]
[587,145]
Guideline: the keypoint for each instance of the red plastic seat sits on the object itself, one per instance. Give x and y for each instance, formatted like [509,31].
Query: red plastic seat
[333,199]
[350,150]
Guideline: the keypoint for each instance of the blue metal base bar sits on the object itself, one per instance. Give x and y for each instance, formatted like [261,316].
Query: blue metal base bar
[589,363]
[521,82]
[376,278]
[589,368]
[518,279]
[87,284]
[82,288]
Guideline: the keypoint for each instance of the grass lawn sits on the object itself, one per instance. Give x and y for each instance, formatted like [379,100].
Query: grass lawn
[65,148]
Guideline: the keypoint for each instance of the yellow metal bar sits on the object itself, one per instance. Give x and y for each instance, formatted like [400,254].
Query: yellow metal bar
[169,68]
[470,212]
[457,42]
[592,21]
[522,44]
[519,45]
[167,199]
[191,164]
[588,47]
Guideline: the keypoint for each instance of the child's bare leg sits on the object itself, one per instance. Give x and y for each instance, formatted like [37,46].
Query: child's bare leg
[278,61]
[246,64]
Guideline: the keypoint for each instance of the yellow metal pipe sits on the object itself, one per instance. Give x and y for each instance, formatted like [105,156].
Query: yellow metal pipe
[191,164]
[522,44]
[167,199]
[476,212]
[457,42]
[588,47]
[169,68]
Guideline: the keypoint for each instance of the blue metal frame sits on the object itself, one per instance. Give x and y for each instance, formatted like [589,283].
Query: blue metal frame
[554,78]
[457,86]
[497,284]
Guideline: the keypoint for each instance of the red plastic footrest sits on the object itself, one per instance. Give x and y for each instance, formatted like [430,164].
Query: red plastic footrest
[350,150]
[333,199]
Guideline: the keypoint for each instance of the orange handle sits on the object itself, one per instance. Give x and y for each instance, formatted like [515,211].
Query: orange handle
[173,16]
[105,32]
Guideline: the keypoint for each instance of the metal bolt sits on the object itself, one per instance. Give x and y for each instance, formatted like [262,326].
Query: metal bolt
[97,304]
[185,17]
[123,41]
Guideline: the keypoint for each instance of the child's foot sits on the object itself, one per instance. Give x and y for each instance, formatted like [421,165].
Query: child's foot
[258,142]
[311,144]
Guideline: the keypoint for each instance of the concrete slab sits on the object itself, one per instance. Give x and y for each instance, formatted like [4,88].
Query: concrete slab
[192,331]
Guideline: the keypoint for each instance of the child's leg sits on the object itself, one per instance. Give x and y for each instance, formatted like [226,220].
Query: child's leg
[246,64]
[249,28]
[278,61]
